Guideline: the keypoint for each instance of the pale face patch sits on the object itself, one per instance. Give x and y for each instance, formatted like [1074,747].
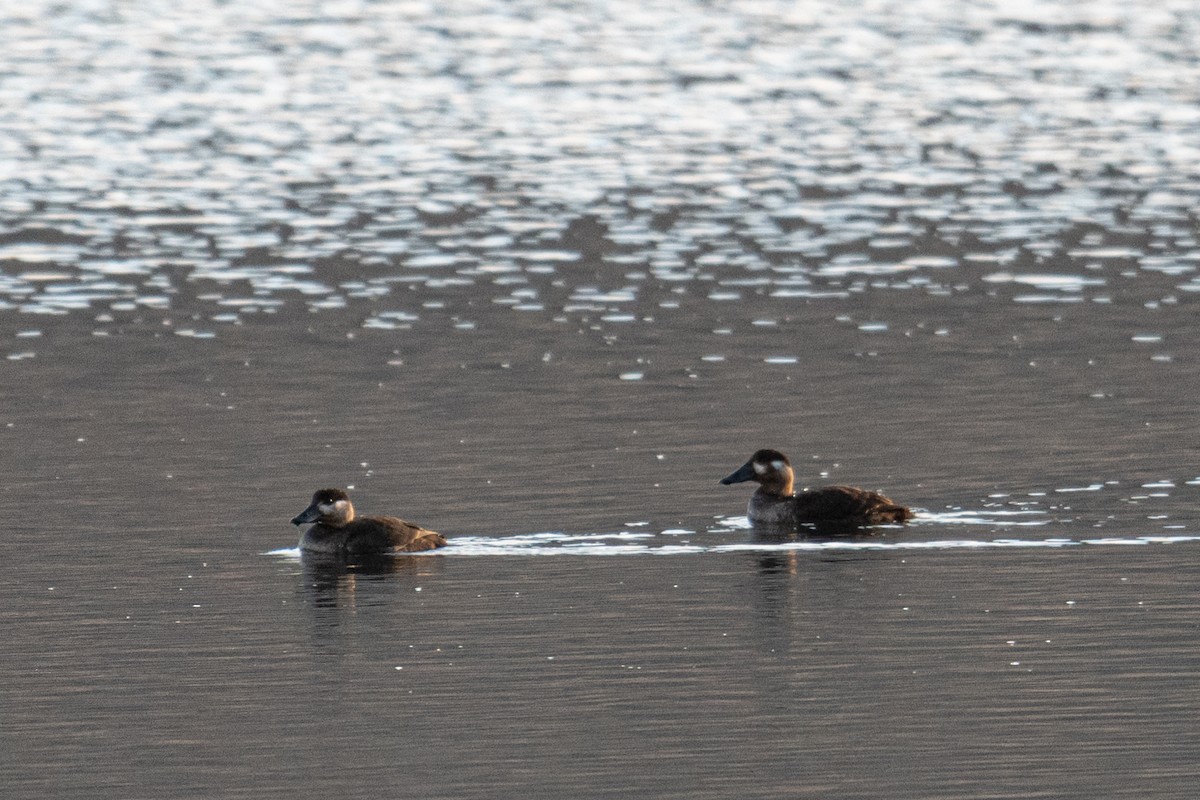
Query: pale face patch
[760,468]
[778,465]
[328,509]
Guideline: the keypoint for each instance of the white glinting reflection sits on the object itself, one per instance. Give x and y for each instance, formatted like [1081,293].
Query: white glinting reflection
[637,544]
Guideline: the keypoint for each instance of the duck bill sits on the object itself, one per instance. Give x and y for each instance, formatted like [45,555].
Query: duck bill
[743,473]
[310,514]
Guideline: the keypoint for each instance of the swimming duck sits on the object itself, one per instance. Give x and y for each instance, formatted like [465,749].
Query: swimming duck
[775,503]
[339,531]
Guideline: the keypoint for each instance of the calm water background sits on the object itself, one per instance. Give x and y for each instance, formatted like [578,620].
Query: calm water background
[537,276]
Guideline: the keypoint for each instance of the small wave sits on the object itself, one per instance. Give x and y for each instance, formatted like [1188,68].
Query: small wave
[596,544]
[287,552]
[627,544]
[1016,517]
[603,546]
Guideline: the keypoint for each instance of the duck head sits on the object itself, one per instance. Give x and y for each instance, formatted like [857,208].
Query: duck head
[329,507]
[769,468]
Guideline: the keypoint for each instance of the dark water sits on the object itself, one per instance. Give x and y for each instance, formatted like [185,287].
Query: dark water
[537,276]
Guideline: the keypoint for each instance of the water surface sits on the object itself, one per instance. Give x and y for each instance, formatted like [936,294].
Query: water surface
[537,276]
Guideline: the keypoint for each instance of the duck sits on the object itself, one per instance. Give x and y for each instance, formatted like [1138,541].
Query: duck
[339,531]
[776,503]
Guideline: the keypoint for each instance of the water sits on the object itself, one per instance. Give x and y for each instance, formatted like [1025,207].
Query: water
[539,276]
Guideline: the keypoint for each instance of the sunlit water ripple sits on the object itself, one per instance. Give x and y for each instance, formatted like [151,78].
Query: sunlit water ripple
[401,162]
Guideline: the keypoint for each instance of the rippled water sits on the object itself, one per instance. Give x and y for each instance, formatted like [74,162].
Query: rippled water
[537,276]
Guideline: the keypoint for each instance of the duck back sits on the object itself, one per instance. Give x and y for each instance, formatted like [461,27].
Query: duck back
[389,534]
[848,504]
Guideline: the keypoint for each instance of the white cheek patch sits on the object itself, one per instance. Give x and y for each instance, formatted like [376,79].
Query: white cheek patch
[760,468]
[778,465]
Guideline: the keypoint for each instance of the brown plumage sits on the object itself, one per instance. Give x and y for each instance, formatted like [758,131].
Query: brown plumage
[775,503]
[340,531]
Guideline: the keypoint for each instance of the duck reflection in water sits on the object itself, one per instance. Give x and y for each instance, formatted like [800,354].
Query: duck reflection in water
[779,513]
[336,581]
